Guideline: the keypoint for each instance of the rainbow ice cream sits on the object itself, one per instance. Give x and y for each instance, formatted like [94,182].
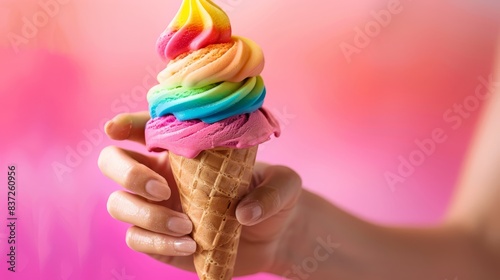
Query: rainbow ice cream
[196,25]
[207,112]
[210,94]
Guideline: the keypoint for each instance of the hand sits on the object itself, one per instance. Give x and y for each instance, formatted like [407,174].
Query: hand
[161,230]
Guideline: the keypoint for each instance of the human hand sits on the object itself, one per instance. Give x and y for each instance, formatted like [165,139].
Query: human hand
[161,230]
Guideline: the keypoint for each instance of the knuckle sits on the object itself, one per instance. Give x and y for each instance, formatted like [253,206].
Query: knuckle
[147,218]
[132,174]
[294,177]
[160,245]
[271,199]
[153,218]
[292,186]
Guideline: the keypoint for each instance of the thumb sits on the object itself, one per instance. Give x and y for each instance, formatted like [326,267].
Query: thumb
[279,190]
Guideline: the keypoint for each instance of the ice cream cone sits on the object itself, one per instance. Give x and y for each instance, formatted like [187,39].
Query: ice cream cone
[207,112]
[210,187]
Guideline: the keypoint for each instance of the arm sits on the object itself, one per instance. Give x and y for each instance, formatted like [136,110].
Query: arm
[465,246]
[347,248]
[299,235]
[477,203]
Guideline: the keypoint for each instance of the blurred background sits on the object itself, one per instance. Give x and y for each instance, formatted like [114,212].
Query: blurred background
[361,89]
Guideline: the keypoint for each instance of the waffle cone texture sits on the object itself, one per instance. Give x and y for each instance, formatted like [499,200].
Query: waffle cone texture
[210,187]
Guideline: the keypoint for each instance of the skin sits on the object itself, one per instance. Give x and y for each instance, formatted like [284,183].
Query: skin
[286,228]
[267,211]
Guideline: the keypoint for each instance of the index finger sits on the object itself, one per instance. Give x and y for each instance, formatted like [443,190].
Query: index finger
[128,126]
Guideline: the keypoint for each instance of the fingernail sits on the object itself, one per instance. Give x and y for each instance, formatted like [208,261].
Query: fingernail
[157,189]
[250,213]
[185,246]
[179,225]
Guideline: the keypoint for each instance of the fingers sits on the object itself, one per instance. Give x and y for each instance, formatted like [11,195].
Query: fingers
[182,262]
[279,189]
[147,242]
[130,170]
[133,209]
[127,126]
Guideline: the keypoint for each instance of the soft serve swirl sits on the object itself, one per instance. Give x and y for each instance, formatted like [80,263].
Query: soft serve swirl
[212,83]
[211,78]
[198,23]
[229,62]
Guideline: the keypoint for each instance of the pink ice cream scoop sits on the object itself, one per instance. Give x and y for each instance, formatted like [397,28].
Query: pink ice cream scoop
[189,138]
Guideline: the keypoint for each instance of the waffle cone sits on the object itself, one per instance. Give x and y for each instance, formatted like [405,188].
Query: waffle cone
[210,187]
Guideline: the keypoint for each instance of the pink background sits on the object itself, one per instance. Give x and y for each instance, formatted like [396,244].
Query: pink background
[345,124]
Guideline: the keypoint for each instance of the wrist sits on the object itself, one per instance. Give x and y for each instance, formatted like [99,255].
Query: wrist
[315,242]
[294,233]
[297,238]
